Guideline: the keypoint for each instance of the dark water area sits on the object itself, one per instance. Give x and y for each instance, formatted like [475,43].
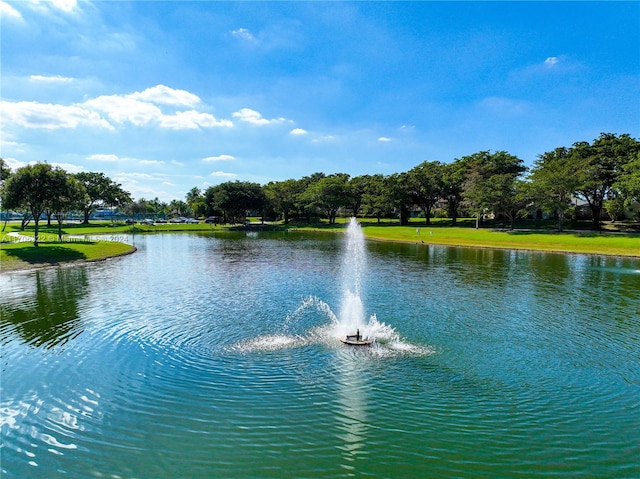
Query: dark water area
[217,356]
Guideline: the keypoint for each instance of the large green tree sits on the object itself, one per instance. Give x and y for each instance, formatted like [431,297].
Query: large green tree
[628,181]
[328,194]
[599,166]
[235,199]
[425,186]
[554,181]
[357,187]
[489,179]
[70,197]
[453,177]
[399,196]
[304,206]
[102,191]
[34,188]
[282,196]
[375,200]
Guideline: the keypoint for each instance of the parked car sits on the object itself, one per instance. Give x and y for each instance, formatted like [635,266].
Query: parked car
[161,220]
[212,219]
[130,221]
[179,219]
[192,221]
[146,222]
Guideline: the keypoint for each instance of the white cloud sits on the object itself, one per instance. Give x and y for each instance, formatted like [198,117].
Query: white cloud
[107,111]
[255,118]
[31,114]
[150,162]
[384,139]
[14,164]
[222,174]
[184,120]
[51,79]
[166,96]
[140,108]
[243,34]
[219,158]
[551,61]
[298,132]
[322,139]
[109,158]
[46,6]
[68,167]
[64,5]
[7,11]
[177,163]
[121,109]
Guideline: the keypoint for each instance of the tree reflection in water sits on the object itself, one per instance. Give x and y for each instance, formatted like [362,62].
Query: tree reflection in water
[48,316]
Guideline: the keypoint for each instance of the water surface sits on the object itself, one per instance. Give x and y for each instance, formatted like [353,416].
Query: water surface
[215,356]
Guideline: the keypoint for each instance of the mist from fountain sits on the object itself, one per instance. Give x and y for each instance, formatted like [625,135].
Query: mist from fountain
[352,315]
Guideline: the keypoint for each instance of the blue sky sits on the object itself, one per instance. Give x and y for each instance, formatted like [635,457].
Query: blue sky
[165,96]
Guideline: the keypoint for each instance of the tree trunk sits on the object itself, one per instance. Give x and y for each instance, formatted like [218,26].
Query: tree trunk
[26,219]
[59,217]
[35,232]
[596,209]
[427,215]
[404,216]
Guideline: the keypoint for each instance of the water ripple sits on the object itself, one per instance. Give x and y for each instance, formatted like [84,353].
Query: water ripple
[192,358]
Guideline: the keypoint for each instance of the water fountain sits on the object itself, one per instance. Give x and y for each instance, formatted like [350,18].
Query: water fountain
[351,324]
[348,323]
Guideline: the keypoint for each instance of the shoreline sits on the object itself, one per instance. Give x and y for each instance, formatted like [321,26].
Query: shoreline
[22,266]
[503,248]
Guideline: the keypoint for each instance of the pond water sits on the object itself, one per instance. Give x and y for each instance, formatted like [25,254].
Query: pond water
[217,356]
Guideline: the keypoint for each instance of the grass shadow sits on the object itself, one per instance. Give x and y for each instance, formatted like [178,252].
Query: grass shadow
[44,254]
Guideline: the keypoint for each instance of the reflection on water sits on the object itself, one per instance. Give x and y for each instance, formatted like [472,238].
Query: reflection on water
[44,312]
[352,383]
[216,356]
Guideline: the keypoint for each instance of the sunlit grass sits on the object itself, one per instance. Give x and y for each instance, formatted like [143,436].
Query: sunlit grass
[588,242]
[25,255]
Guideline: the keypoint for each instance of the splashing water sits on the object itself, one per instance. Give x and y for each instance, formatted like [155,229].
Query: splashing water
[352,316]
[350,319]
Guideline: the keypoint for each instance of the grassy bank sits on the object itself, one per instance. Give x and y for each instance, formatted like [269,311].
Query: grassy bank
[540,239]
[18,256]
[25,255]
[571,242]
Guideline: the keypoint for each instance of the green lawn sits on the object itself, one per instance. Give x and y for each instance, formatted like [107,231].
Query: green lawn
[542,239]
[15,256]
[587,242]
[104,227]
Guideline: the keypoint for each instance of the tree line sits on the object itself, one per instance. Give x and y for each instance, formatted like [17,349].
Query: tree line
[604,173]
